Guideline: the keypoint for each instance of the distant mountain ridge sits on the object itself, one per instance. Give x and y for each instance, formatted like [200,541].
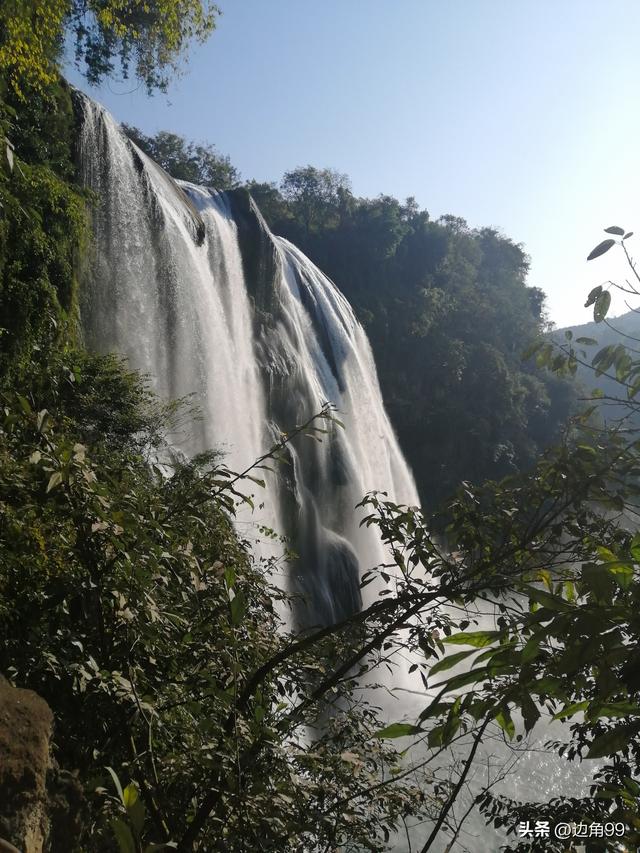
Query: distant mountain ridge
[628,323]
[624,330]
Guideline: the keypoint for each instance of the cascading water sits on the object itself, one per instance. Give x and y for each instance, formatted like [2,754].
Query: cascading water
[191,286]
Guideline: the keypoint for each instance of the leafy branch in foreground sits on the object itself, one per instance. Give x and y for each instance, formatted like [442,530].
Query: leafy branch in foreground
[147,37]
[128,601]
[563,358]
[555,632]
[549,583]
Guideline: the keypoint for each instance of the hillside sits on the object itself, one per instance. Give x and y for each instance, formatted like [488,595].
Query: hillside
[615,331]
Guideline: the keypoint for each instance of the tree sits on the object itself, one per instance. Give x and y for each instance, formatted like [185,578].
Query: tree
[269,199]
[30,43]
[145,38]
[316,195]
[186,161]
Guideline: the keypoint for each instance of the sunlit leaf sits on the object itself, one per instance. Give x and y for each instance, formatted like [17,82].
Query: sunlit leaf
[449,661]
[503,719]
[570,710]
[238,608]
[533,348]
[130,795]
[25,405]
[614,709]
[553,602]
[54,480]
[465,678]
[479,639]
[397,730]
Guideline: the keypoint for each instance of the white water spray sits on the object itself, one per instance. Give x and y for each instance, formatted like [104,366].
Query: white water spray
[259,336]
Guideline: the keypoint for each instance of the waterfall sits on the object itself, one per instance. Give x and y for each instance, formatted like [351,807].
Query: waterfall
[191,286]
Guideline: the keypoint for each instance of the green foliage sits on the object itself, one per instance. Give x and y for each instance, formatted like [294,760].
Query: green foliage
[601,248]
[269,200]
[128,602]
[43,225]
[606,366]
[545,570]
[145,36]
[150,37]
[30,42]
[315,195]
[200,164]
[42,228]
[562,579]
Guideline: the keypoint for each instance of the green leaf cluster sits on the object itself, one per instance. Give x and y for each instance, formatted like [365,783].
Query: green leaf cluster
[127,601]
[546,555]
[145,37]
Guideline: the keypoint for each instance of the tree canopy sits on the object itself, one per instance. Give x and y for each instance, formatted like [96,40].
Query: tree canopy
[128,601]
[187,161]
[314,194]
[143,38]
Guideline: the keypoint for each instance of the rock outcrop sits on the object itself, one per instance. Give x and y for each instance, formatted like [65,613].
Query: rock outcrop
[40,806]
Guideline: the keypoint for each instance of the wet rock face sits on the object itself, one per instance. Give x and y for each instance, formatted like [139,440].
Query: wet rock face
[39,804]
[25,732]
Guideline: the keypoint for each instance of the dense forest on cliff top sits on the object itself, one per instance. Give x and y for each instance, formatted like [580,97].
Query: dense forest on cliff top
[182,707]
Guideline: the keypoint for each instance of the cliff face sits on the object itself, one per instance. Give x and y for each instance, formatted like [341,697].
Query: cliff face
[39,805]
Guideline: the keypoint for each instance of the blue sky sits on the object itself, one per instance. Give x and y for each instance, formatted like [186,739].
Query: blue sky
[519,114]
